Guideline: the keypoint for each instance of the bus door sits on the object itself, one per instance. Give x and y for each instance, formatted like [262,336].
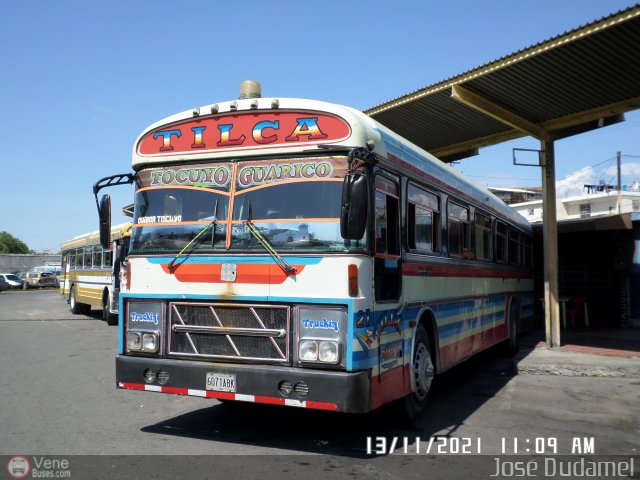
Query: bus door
[388,282]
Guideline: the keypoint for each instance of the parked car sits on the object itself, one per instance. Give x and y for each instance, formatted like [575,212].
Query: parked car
[12,279]
[3,286]
[40,279]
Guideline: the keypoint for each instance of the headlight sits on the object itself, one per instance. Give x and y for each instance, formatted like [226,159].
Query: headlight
[308,350]
[149,342]
[134,341]
[329,352]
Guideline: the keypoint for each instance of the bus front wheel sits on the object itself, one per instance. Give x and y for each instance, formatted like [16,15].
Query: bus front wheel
[422,372]
[107,316]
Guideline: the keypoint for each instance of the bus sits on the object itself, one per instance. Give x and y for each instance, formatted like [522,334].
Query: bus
[89,275]
[298,253]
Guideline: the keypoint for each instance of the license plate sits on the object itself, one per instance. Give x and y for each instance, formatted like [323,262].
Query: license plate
[221,382]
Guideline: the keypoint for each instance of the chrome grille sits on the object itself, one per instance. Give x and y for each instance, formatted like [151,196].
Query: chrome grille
[229,332]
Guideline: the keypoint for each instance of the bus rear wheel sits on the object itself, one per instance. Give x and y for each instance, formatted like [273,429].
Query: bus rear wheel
[422,373]
[74,306]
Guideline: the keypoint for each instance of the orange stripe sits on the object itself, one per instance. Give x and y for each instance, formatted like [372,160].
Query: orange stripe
[261,274]
[204,189]
[238,222]
[171,224]
[232,193]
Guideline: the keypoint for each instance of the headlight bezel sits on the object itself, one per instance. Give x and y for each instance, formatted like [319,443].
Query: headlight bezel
[321,325]
[144,318]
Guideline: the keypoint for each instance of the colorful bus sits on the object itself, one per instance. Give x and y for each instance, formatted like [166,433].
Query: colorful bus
[89,274]
[296,252]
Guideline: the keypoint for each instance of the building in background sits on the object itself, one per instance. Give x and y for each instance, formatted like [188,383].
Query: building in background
[598,247]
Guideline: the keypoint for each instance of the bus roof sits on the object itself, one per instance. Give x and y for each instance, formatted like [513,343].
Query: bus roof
[277,126]
[117,232]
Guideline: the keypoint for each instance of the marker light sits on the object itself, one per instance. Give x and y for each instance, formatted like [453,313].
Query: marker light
[250,89]
[353,280]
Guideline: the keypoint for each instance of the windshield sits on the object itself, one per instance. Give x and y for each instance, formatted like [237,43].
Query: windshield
[294,203]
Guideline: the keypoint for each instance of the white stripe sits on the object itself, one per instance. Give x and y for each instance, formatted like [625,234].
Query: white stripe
[245,398]
[153,388]
[294,403]
[196,393]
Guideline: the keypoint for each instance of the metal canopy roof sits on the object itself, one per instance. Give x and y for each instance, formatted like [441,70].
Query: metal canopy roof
[577,81]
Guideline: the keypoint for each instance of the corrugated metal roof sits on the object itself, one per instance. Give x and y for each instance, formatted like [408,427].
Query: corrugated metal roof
[583,75]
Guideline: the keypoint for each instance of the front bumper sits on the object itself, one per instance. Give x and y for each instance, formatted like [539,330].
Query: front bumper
[328,390]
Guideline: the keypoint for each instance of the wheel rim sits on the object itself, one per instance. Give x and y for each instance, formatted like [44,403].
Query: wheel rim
[423,372]
[72,300]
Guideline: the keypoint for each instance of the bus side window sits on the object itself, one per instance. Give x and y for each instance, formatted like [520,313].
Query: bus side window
[387,270]
[501,242]
[107,259]
[422,220]
[514,247]
[483,236]
[526,252]
[87,257]
[387,218]
[97,256]
[458,228]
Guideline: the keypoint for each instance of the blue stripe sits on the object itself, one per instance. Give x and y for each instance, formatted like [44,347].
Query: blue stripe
[234,259]
[457,328]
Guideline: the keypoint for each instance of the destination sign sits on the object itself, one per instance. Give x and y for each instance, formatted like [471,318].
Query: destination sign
[244,131]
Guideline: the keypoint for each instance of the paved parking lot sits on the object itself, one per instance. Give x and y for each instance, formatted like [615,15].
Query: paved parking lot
[58,397]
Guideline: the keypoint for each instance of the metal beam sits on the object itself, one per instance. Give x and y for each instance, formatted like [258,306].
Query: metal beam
[495,111]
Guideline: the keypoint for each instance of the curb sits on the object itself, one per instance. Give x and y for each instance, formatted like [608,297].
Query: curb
[570,364]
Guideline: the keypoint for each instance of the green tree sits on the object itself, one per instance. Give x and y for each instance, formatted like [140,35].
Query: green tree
[10,244]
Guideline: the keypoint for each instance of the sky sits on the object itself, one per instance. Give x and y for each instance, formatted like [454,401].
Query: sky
[80,80]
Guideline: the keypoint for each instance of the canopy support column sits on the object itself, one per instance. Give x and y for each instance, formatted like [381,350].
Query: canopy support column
[550,241]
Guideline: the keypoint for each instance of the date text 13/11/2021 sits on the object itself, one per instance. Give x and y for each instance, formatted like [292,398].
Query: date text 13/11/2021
[473,446]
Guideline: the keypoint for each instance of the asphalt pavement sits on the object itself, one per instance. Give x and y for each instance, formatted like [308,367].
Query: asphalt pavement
[59,399]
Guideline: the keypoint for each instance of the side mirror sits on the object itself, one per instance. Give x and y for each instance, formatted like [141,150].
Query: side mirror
[353,216]
[105,221]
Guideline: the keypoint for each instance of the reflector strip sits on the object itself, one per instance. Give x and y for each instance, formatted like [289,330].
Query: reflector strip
[231,396]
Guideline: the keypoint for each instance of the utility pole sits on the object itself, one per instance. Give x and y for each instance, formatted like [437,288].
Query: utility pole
[618,158]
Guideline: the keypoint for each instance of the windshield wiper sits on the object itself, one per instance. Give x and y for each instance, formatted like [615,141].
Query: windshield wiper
[282,263]
[213,223]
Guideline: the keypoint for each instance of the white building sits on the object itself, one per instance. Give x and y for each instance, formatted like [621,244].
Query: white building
[588,205]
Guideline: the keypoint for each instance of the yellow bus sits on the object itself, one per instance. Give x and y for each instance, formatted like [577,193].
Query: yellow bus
[90,273]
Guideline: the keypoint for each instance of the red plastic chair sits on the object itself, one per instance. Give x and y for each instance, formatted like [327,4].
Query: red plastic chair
[576,309]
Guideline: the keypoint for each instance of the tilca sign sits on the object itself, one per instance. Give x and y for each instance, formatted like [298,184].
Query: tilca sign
[241,131]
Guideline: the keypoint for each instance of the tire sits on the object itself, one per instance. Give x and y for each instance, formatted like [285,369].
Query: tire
[107,316]
[422,372]
[74,306]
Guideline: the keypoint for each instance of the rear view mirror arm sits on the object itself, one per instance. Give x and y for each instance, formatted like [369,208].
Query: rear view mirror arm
[111,181]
